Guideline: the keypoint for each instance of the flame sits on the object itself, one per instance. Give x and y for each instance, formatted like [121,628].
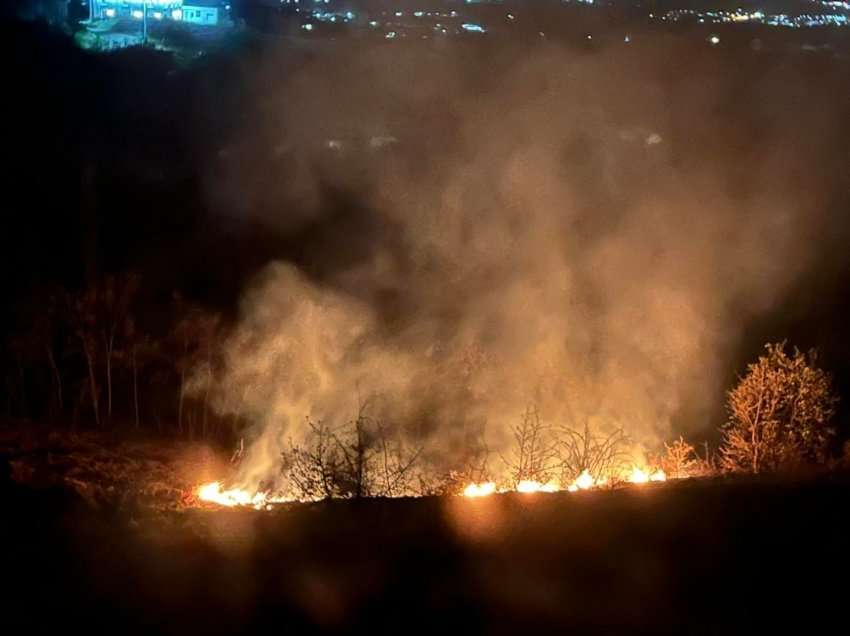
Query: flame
[213,493]
[585,481]
[638,476]
[641,476]
[528,486]
[479,490]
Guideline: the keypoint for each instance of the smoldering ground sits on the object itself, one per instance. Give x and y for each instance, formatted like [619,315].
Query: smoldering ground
[473,229]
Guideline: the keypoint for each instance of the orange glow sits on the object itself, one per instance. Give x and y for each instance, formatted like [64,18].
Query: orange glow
[641,476]
[212,493]
[584,481]
[638,476]
[528,486]
[479,490]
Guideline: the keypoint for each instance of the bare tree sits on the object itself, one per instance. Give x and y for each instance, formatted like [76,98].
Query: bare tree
[101,318]
[600,455]
[471,467]
[141,350]
[82,309]
[33,345]
[778,413]
[356,447]
[197,336]
[533,452]
[397,461]
[680,459]
[363,458]
[313,467]
[114,298]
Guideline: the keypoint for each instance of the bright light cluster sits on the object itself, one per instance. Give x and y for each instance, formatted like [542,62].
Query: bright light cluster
[585,481]
[212,493]
[479,490]
[770,19]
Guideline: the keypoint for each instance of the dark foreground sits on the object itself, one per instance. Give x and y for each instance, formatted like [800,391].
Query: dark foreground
[696,557]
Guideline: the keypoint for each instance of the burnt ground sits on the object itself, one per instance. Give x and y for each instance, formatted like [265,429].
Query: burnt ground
[696,557]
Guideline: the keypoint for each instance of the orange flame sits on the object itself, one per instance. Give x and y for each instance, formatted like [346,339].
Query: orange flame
[479,490]
[641,476]
[585,481]
[213,493]
[528,486]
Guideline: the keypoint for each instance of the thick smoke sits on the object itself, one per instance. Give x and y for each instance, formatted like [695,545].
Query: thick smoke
[581,232]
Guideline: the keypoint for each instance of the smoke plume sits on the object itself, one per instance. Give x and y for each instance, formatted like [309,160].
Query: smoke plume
[474,230]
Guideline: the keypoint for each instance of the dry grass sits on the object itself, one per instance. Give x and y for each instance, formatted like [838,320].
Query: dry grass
[109,471]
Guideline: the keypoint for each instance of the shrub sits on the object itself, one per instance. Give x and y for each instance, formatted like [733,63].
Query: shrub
[778,413]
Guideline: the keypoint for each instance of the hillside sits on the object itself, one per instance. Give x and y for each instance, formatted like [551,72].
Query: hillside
[719,556]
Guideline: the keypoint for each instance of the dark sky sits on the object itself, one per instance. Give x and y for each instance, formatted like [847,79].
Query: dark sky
[113,165]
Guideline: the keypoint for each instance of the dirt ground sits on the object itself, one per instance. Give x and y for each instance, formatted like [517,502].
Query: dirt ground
[696,557]
[117,470]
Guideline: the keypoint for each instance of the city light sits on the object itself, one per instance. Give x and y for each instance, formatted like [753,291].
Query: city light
[834,15]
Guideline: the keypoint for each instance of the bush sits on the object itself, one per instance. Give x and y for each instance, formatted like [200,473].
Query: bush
[778,413]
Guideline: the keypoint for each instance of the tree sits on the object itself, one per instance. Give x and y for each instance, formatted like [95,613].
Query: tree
[197,336]
[101,319]
[82,309]
[313,466]
[397,460]
[116,323]
[363,458]
[471,466]
[582,450]
[778,413]
[533,451]
[141,349]
[680,459]
[33,345]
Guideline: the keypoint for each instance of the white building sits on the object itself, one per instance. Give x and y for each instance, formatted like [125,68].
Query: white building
[206,12]
[203,12]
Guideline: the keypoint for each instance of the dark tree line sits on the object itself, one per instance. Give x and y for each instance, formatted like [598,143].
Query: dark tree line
[98,358]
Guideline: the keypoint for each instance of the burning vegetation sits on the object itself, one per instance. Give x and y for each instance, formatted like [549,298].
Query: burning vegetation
[779,418]
[523,294]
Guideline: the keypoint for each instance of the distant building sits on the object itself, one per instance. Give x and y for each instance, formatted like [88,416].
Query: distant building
[203,12]
[206,12]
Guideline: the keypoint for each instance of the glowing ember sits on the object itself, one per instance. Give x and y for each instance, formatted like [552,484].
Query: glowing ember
[479,490]
[213,493]
[584,481]
[535,486]
[641,476]
[638,476]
